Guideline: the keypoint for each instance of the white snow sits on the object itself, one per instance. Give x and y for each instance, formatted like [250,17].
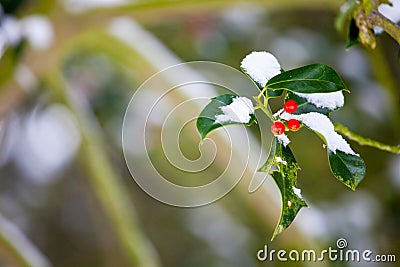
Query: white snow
[11,29]
[238,111]
[330,101]
[38,30]
[283,139]
[261,66]
[323,125]
[297,191]
[390,12]
[280,160]
[10,32]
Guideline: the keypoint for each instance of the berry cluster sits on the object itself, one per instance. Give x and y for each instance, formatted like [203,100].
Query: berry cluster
[278,127]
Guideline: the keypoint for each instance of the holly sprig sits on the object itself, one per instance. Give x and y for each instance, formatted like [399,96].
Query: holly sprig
[310,94]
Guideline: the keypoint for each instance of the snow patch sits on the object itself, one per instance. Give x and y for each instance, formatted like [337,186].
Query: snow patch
[280,160]
[238,111]
[261,66]
[283,139]
[38,30]
[297,191]
[330,101]
[323,125]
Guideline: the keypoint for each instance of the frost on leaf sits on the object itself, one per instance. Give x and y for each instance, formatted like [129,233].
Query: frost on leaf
[261,66]
[238,111]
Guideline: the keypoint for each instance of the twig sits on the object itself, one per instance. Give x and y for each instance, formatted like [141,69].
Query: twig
[366,141]
[374,18]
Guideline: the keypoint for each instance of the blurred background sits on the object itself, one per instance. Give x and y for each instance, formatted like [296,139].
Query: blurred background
[68,69]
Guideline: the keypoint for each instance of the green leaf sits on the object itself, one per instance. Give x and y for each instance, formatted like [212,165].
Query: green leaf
[304,106]
[266,167]
[352,38]
[206,120]
[285,177]
[347,168]
[274,93]
[315,78]
[256,183]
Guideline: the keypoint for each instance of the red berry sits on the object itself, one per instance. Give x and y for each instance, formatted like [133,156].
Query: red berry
[290,106]
[278,128]
[293,125]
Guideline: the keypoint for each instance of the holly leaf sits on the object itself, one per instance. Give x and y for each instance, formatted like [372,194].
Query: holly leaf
[285,177]
[347,168]
[206,121]
[352,38]
[266,167]
[315,78]
[274,93]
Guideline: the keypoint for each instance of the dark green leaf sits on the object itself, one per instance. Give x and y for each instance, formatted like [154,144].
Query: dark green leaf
[270,159]
[274,93]
[315,78]
[352,38]
[206,120]
[256,183]
[347,168]
[285,176]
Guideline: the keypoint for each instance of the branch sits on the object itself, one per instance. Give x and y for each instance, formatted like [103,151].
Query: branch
[374,18]
[377,19]
[366,141]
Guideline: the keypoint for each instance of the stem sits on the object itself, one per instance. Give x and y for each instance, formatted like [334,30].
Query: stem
[374,18]
[263,107]
[366,141]
[377,19]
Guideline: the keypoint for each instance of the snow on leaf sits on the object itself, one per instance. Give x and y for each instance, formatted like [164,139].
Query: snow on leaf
[297,191]
[330,101]
[322,124]
[227,109]
[238,111]
[283,139]
[261,66]
[280,160]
